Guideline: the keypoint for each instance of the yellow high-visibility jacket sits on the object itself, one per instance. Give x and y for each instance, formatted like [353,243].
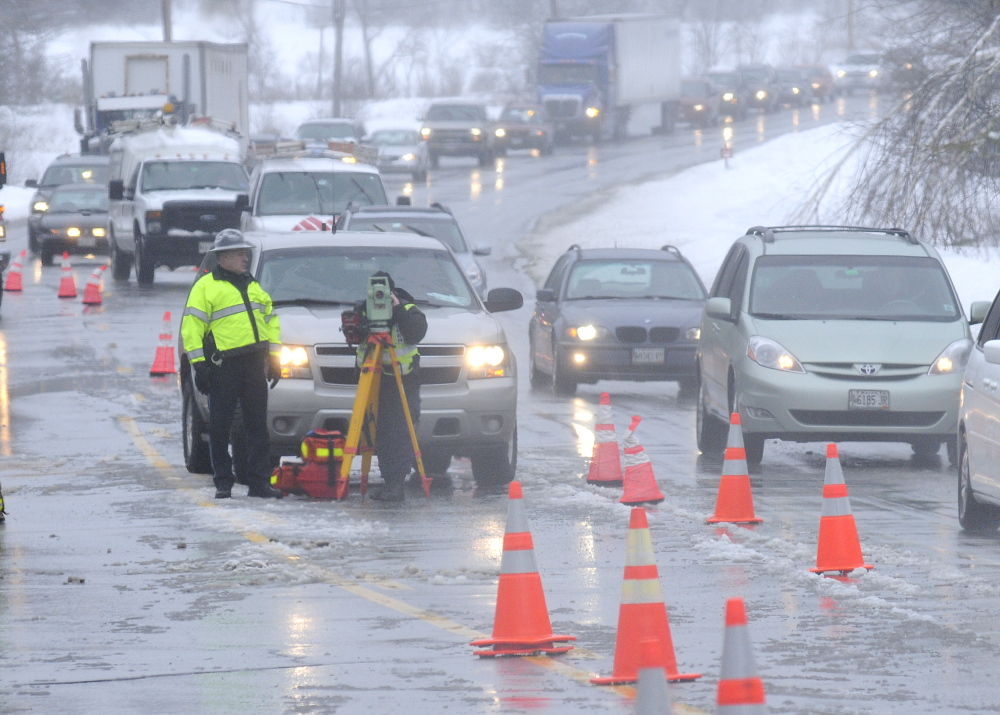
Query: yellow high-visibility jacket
[238,321]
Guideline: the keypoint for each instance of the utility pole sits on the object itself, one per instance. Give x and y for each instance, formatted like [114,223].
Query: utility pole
[167,22]
[554,9]
[850,25]
[339,11]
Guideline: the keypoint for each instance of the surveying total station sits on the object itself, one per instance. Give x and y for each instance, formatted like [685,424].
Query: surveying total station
[364,415]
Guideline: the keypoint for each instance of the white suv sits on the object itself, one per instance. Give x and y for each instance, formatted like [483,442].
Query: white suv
[468,373]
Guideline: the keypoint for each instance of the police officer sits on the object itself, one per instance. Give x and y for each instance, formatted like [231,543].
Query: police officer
[392,436]
[232,340]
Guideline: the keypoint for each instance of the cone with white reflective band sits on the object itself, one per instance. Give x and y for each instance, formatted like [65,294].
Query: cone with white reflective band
[734,502]
[92,291]
[642,614]
[521,625]
[14,282]
[652,694]
[163,362]
[839,548]
[639,482]
[67,283]
[741,691]
[605,465]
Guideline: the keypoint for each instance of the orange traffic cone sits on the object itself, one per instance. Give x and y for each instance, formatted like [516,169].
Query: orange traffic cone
[521,625]
[14,274]
[642,613]
[605,465]
[67,284]
[92,291]
[734,502]
[839,548]
[741,691]
[640,484]
[652,694]
[163,363]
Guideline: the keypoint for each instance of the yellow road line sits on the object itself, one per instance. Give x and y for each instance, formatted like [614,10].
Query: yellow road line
[554,665]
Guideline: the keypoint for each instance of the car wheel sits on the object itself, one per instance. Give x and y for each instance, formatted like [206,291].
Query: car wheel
[710,431]
[926,448]
[32,242]
[495,466]
[435,463]
[973,515]
[562,383]
[45,254]
[143,263]
[536,377]
[753,445]
[486,158]
[121,263]
[952,445]
[435,161]
[197,457]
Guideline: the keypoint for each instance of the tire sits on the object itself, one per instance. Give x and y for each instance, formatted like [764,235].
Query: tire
[46,255]
[754,446]
[536,378]
[973,515]
[562,384]
[710,431]
[197,457]
[926,448]
[495,466]
[952,444]
[435,161]
[32,242]
[144,266]
[121,263]
[485,159]
[435,463]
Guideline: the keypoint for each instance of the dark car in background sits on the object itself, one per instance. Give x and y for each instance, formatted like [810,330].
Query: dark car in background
[616,314]
[76,221]
[793,86]
[903,69]
[733,92]
[701,102]
[67,169]
[525,126]
[821,83]
[317,132]
[761,82]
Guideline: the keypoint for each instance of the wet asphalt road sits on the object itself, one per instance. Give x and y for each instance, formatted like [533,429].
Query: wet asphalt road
[125,588]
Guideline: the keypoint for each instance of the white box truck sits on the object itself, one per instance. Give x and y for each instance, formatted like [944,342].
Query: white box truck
[609,76]
[148,80]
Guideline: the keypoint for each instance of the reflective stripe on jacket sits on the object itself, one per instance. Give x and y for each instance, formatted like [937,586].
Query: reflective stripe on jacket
[238,321]
[405,353]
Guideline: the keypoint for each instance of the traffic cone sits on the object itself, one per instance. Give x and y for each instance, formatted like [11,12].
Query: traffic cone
[839,548]
[652,694]
[14,283]
[92,291]
[642,613]
[163,363]
[67,284]
[521,625]
[605,464]
[734,502]
[640,484]
[741,691]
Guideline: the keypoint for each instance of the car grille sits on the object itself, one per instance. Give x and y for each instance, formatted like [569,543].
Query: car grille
[562,108]
[664,335]
[865,418]
[428,375]
[203,216]
[339,367]
[631,335]
[889,372]
[451,135]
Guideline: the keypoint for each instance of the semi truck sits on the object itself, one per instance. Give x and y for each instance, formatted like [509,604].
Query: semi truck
[151,80]
[610,76]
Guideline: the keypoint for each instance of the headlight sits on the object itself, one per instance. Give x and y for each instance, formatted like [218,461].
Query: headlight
[592,112]
[768,353]
[841,73]
[815,85]
[953,358]
[475,131]
[486,361]
[873,73]
[99,232]
[728,97]
[408,157]
[501,132]
[588,332]
[3,232]
[294,361]
[761,94]
[699,107]
[795,90]
[40,206]
[692,334]
[73,232]
[425,132]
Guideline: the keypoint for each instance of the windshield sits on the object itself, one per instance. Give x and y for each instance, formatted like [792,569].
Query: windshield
[693,88]
[339,274]
[862,60]
[445,231]
[76,174]
[394,137]
[568,74]
[520,115]
[724,79]
[754,74]
[77,200]
[789,75]
[180,175]
[851,288]
[455,113]
[292,193]
[633,279]
[322,132]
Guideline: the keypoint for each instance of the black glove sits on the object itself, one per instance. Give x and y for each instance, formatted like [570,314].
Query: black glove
[202,378]
[273,370]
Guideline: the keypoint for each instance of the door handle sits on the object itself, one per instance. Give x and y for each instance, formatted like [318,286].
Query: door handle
[986,382]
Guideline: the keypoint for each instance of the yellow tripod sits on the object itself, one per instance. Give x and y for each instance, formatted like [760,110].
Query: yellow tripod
[364,416]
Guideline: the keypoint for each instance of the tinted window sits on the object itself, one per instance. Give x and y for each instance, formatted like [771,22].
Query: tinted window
[445,231]
[569,74]
[340,274]
[456,113]
[180,175]
[291,193]
[57,175]
[75,200]
[633,279]
[521,115]
[322,132]
[724,278]
[691,88]
[988,330]
[852,288]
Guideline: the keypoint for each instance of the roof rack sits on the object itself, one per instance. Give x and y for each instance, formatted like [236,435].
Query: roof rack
[574,247]
[440,207]
[767,232]
[671,249]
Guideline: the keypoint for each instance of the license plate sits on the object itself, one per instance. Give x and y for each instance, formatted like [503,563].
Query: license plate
[205,246]
[86,241]
[648,356]
[868,399]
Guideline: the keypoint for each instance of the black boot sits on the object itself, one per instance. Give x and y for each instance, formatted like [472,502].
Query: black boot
[265,491]
[390,492]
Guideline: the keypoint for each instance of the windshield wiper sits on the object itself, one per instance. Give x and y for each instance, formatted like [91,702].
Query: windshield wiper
[362,190]
[417,231]
[775,316]
[308,301]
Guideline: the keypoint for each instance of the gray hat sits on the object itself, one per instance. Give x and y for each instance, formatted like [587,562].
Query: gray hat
[229,239]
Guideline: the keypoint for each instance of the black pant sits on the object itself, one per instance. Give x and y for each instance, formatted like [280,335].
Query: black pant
[392,438]
[239,380]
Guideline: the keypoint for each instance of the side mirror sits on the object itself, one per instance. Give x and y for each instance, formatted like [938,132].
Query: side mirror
[545,295]
[481,250]
[978,311]
[502,299]
[403,201]
[116,189]
[78,120]
[242,202]
[31,184]
[719,308]
[991,351]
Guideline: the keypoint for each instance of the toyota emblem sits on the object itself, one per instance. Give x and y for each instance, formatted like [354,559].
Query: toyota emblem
[868,368]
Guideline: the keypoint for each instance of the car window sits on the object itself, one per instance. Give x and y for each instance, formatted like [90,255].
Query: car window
[340,274]
[633,279]
[736,289]
[456,113]
[289,193]
[694,88]
[724,278]
[852,288]
[181,175]
[322,132]
[57,175]
[990,326]
[445,231]
[555,279]
[569,74]
[520,115]
[74,200]
[394,137]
